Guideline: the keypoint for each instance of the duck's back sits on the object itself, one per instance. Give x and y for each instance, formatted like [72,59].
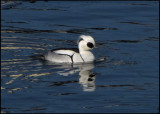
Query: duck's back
[64,55]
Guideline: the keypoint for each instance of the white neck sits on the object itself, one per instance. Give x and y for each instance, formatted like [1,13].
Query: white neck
[87,56]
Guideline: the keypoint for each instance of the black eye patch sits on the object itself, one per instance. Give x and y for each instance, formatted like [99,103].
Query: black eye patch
[80,39]
[91,75]
[90,45]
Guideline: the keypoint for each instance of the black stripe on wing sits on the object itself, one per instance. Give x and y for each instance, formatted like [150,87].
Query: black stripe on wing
[71,57]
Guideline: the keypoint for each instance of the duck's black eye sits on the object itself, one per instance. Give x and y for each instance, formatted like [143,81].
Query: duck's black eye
[80,39]
[90,45]
[90,79]
[91,75]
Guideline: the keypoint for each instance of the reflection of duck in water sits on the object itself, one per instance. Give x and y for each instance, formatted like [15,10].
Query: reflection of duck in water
[73,55]
[87,77]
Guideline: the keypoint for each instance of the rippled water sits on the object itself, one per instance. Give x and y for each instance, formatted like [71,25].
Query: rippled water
[127,37]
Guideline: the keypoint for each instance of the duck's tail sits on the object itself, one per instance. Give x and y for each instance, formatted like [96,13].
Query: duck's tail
[41,57]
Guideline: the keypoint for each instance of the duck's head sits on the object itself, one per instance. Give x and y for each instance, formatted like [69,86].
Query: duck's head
[86,43]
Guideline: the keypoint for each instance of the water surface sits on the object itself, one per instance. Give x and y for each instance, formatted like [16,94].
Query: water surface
[127,37]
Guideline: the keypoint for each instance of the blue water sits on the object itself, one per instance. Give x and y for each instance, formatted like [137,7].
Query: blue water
[126,79]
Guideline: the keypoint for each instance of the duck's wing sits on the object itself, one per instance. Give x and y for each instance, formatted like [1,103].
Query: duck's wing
[61,55]
[57,57]
[65,51]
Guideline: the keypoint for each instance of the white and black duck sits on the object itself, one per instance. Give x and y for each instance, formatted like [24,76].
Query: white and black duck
[82,54]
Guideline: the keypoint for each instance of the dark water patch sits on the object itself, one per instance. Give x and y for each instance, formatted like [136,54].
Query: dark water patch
[62,83]
[34,1]
[42,9]
[69,41]
[8,108]
[59,94]
[124,53]
[139,4]
[63,25]
[137,41]
[100,43]
[130,22]
[10,27]
[103,28]
[134,87]
[17,22]
[120,62]
[115,85]
[127,41]
[138,88]
[107,61]
[34,109]
[78,31]
[86,30]
[152,39]
[36,9]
